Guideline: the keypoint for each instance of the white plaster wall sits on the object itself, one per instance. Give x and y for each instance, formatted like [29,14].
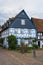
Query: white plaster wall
[5,33]
[5,43]
[25,32]
[19,41]
[37,42]
[41,43]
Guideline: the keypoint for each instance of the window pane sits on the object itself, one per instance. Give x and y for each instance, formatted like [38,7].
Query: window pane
[22,22]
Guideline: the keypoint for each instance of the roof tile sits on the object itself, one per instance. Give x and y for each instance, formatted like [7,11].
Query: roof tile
[38,23]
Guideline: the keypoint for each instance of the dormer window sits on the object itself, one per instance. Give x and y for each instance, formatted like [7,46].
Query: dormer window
[22,22]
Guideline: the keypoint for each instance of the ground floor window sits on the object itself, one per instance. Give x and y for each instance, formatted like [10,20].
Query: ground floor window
[26,41]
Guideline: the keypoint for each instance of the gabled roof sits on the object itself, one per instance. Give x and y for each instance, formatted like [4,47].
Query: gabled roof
[17,21]
[23,15]
[8,22]
[38,23]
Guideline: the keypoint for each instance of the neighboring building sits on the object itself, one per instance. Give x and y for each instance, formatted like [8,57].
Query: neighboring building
[20,26]
[39,26]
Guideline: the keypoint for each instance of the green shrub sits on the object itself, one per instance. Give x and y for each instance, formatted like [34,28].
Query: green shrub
[1,40]
[18,47]
[35,46]
[30,48]
[12,41]
[34,40]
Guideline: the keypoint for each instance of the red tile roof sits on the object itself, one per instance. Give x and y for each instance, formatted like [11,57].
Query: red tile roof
[38,23]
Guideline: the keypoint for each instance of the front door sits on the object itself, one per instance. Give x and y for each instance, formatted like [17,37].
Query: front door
[39,43]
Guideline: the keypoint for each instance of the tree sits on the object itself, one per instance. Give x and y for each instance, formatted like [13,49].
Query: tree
[12,41]
[1,40]
[35,46]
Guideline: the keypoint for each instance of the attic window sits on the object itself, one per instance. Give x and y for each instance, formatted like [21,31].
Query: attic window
[22,22]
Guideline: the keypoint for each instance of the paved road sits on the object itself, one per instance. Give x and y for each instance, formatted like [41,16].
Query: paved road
[8,57]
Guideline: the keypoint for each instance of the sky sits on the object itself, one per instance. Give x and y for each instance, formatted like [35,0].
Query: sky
[10,8]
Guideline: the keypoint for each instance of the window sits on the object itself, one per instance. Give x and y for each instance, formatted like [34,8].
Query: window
[11,30]
[38,33]
[32,33]
[38,37]
[22,22]
[23,31]
[41,33]
[18,30]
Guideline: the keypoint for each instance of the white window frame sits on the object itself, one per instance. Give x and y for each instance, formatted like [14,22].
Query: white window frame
[22,22]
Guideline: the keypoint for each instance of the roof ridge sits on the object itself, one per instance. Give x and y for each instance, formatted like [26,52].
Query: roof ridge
[36,18]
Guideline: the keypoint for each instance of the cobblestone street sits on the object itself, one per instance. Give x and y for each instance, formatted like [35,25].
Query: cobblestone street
[8,57]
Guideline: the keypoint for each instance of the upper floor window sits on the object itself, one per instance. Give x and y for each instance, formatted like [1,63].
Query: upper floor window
[24,31]
[38,33]
[11,29]
[41,33]
[22,22]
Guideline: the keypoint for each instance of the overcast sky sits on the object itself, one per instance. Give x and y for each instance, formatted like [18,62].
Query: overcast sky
[10,8]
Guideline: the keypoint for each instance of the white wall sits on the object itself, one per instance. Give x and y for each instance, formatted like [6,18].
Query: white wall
[22,32]
[5,43]
[19,33]
[5,33]
[25,33]
[41,43]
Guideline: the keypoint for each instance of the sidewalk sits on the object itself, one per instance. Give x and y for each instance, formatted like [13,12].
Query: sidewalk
[8,57]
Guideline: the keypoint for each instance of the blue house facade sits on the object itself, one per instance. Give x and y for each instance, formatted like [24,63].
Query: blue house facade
[20,26]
